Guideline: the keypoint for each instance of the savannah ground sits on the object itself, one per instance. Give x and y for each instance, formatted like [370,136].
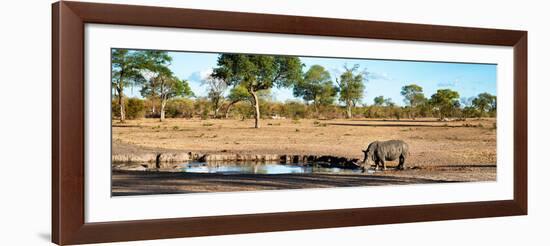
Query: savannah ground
[453,151]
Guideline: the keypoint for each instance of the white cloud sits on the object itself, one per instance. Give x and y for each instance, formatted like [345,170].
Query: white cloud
[378,76]
[199,76]
[453,83]
[336,72]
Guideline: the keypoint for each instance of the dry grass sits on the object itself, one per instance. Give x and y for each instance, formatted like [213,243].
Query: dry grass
[470,142]
[462,151]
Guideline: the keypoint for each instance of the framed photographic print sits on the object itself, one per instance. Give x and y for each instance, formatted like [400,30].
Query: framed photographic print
[174,122]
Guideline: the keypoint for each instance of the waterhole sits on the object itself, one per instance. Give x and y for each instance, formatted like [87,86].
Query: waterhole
[260,168]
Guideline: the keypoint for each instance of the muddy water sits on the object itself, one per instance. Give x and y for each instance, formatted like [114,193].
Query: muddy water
[260,168]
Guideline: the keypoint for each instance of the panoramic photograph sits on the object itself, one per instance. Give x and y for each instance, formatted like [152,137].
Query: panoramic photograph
[193,122]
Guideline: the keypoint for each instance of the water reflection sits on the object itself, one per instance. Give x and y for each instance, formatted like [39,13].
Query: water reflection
[259,168]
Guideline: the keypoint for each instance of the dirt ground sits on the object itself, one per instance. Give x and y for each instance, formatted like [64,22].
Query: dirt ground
[440,151]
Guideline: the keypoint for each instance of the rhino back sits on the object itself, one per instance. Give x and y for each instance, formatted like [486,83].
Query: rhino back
[393,149]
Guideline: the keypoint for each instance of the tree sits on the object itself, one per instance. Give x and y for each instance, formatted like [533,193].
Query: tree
[389,103]
[316,86]
[485,103]
[351,87]
[445,101]
[382,101]
[166,86]
[414,97]
[236,94]
[155,63]
[379,100]
[384,107]
[216,89]
[126,69]
[257,73]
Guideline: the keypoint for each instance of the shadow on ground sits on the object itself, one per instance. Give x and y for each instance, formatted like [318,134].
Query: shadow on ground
[395,125]
[143,183]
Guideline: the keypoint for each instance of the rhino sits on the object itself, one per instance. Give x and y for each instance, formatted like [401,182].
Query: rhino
[381,151]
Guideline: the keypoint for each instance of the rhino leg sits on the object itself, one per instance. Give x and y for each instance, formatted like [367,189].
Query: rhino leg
[383,165]
[401,163]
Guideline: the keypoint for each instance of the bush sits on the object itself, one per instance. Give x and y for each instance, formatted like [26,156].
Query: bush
[291,109]
[179,108]
[202,108]
[242,110]
[295,110]
[135,108]
[115,111]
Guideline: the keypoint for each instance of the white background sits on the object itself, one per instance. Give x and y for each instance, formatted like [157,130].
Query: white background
[26,139]
[100,207]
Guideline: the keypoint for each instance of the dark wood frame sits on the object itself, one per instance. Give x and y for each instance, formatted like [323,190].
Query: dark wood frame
[68,224]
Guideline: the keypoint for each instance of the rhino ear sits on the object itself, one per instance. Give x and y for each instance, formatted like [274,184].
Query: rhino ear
[364,150]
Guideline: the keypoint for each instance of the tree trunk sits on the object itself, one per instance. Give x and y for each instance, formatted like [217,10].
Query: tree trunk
[162,105]
[256,109]
[121,105]
[226,115]
[216,112]
[315,108]
[348,110]
[217,107]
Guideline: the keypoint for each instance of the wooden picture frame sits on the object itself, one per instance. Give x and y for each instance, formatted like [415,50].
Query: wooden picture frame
[68,123]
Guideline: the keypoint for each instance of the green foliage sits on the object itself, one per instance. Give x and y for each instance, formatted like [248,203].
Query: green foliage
[445,101]
[156,61]
[292,109]
[243,110]
[134,107]
[167,86]
[485,103]
[216,89]
[295,110]
[115,111]
[470,112]
[202,107]
[126,69]
[316,86]
[382,101]
[414,98]
[351,87]
[163,84]
[413,95]
[379,100]
[180,108]
[258,73]
[250,79]
[155,66]
[238,93]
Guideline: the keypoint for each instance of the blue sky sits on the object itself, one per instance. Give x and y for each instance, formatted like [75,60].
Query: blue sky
[386,77]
